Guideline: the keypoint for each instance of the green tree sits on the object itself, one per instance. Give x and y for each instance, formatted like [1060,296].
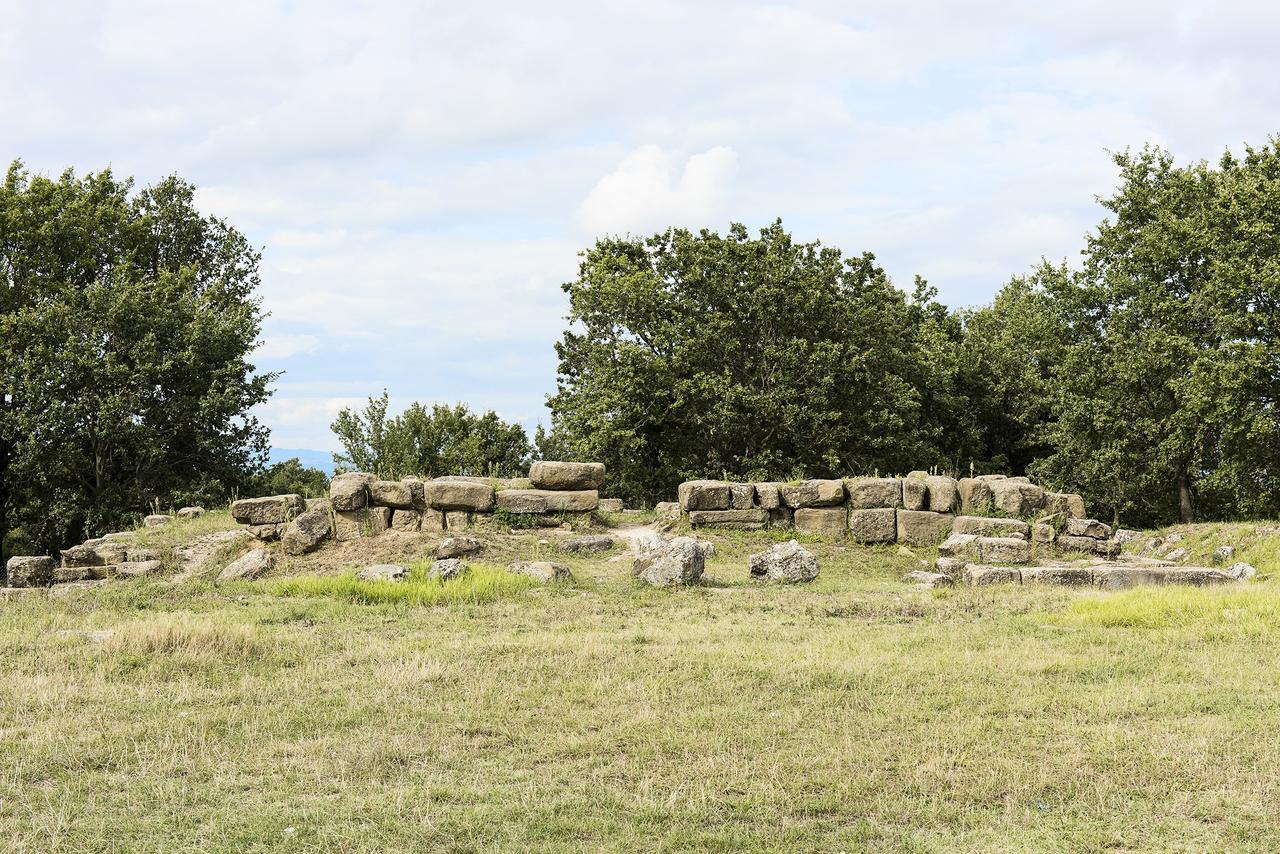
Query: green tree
[126,323]
[429,441]
[700,354]
[291,476]
[1165,402]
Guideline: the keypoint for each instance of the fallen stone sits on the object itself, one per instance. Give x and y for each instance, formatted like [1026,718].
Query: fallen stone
[458,547]
[459,495]
[366,522]
[877,525]
[1241,571]
[156,520]
[1069,576]
[738,519]
[548,501]
[950,566]
[869,493]
[408,521]
[998,550]
[447,569]
[610,505]
[1125,535]
[266,533]
[830,522]
[922,527]
[30,571]
[987,526]
[395,494]
[1223,554]
[786,563]
[960,545]
[138,569]
[1177,555]
[566,476]
[382,572]
[977,575]
[944,494]
[677,561]
[1087,528]
[252,564]
[269,510]
[190,512]
[667,510]
[704,495]
[928,579]
[769,495]
[542,571]
[915,492]
[588,543]
[307,532]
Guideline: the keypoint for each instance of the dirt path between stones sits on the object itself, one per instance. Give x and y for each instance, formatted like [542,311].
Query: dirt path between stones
[638,538]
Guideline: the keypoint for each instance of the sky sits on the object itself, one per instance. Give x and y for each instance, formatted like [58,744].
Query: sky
[422,176]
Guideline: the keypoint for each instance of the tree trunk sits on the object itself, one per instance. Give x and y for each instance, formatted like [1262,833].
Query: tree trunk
[1186,513]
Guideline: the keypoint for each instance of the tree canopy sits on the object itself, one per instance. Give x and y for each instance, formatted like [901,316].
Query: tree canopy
[126,324]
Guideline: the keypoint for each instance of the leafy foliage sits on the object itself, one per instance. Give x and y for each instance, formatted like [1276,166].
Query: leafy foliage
[292,477]
[429,442]
[126,323]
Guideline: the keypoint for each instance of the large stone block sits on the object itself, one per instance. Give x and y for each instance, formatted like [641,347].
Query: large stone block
[877,525]
[986,526]
[996,550]
[1124,577]
[548,500]
[742,496]
[961,546]
[786,563]
[866,493]
[252,564]
[391,493]
[813,493]
[30,571]
[271,510]
[350,490]
[739,519]
[1068,543]
[769,495]
[306,532]
[781,517]
[705,495]
[923,527]
[459,495]
[1016,497]
[915,491]
[826,521]
[417,493]
[668,511]
[1087,528]
[433,520]
[457,520]
[1067,503]
[678,561]
[944,494]
[541,571]
[610,505]
[566,476]
[408,521]
[979,575]
[365,522]
[975,496]
[1065,576]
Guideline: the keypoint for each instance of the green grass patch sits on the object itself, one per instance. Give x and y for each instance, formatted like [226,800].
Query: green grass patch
[1251,610]
[481,583]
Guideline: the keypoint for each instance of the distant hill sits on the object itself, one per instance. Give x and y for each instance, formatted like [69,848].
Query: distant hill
[322,460]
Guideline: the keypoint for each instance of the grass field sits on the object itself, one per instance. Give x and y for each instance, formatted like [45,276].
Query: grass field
[852,714]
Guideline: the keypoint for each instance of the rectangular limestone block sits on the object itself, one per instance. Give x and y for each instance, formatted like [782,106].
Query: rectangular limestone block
[994,550]
[977,575]
[915,492]
[781,517]
[1124,577]
[866,493]
[457,520]
[548,500]
[34,571]
[741,519]
[271,510]
[922,527]
[877,525]
[742,496]
[986,526]
[364,522]
[813,493]
[391,493]
[944,494]
[704,495]
[769,495]
[828,521]
[459,495]
[573,477]
[433,521]
[1065,576]
[1067,503]
[406,520]
[610,505]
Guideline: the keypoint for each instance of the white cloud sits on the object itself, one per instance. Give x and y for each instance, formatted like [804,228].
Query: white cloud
[650,190]
[284,345]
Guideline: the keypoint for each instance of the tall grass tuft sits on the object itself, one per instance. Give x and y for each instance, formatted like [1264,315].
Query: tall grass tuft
[184,634]
[1251,610]
[481,583]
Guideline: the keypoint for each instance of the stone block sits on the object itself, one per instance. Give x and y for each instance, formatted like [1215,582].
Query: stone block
[868,493]
[1000,550]
[548,501]
[566,476]
[30,571]
[457,520]
[667,510]
[742,496]
[740,519]
[976,498]
[923,527]
[433,521]
[350,490]
[987,526]
[1016,497]
[1066,503]
[813,493]
[915,492]
[610,505]
[269,510]
[391,493]
[1066,576]
[769,495]
[459,495]
[826,521]
[960,546]
[408,521]
[365,522]
[1087,528]
[944,494]
[876,525]
[978,575]
[705,495]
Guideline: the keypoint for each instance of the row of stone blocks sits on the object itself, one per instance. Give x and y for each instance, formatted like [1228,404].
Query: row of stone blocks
[361,505]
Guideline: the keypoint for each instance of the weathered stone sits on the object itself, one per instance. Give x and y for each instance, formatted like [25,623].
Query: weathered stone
[987,526]
[877,525]
[1177,555]
[953,567]
[266,533]
[156,520]
[1125,535]
[1196,576]
[1068,543]
[997,550]
[1123,577]
[458,547]
[742,496]
[269,510]
[100,553]
[120,535]
[366,522]
[406,521]
[928,579]
[457,520]
[1042,532]
[944,494]
[1068,576]
[447,569]
[976,498]
[915,492]
[433,521]
[667,510]
[30,571]
[813,493]
[137,554]
[610,505]
[869,493]
[541,571]
[677,561]
[1016,497]
[977,575]
[705,495]
[75,588]
[1223,554]
[1107,548]
[382,572]
[1087,528]
[960,545]
[350,490]
[830,522]
[138,569]
[1067,503]
[922,527]
[391,493]
[769,495]
[566,476]
[305,533]
[66,574]
[106,571]
[548,501]
[459,495]
[190,512]
[319,504]
[708,549]
[787,563]
[588,543]
[251,564]
[1241,571]
[417,492]
[739,519]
